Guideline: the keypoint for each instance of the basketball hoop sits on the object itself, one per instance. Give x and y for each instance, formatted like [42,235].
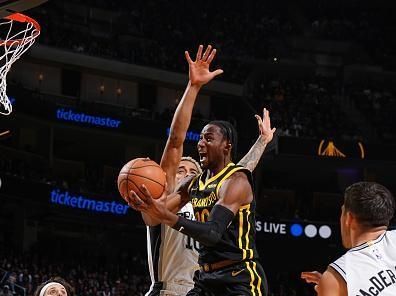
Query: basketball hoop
[20,33]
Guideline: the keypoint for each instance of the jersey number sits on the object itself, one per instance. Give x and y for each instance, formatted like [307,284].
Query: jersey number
[202,216]
[192,243]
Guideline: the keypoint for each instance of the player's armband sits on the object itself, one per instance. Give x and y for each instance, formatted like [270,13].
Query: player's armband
[210,232]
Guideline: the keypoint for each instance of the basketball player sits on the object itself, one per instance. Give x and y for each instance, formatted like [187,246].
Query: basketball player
[369,266]
[56,286]
[173,256]
[224,205]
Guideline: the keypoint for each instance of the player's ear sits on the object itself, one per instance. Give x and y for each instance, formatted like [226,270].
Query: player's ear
[227,148]
[349,218]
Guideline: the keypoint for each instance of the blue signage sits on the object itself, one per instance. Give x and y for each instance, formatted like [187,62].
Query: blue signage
[66,199]
[70,115]
[295,229]
[12,100]
[190,135]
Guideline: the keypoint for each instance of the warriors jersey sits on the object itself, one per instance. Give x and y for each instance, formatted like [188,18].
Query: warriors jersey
[370,269]
[238,241]
[172,256]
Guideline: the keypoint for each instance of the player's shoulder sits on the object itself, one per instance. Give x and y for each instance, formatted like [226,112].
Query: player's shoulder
[332,283]
[238,171]
[391,234]
[339,266]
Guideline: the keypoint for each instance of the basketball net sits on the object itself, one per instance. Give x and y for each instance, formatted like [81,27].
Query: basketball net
[20,33]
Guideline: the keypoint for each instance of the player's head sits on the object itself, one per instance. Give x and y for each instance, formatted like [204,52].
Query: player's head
[56,286]
[217,144]
[188,166]
[367,205]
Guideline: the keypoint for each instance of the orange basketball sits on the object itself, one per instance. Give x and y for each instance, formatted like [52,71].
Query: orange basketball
[141,171]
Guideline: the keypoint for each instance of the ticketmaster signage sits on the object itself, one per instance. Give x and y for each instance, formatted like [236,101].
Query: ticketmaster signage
[190,135]
[86,119]
[294,229]
[66,199]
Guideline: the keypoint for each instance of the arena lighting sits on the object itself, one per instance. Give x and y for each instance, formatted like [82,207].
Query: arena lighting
[4,133]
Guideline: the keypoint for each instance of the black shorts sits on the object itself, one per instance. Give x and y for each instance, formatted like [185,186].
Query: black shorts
[156,290]
[245,278]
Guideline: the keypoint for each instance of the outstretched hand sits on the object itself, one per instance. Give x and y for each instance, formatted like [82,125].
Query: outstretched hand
[312,277]
[264,125]
[199,72]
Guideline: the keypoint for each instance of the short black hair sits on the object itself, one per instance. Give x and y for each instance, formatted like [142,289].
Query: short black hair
[229,133]
[57,279]
[372,203]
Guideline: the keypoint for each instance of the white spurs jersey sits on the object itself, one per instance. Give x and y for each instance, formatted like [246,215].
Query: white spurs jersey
[172,256]
[370,269]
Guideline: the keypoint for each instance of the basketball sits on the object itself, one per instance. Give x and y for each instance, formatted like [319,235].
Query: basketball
[141,171]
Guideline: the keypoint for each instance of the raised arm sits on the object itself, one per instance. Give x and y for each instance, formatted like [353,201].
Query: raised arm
[199,75]
[251,159]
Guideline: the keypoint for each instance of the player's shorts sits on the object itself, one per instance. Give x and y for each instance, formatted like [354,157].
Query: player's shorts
[244,278]
[168,289]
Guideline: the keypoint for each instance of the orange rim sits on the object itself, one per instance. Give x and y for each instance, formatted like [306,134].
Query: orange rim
[19,17]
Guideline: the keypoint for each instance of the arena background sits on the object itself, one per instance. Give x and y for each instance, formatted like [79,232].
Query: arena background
[101,84]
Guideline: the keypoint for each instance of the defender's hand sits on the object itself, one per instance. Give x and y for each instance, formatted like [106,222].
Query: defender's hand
[312,277]
[199,72]
[264,125]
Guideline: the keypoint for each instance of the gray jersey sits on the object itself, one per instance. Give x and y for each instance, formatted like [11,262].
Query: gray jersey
[172,256]
[370,269]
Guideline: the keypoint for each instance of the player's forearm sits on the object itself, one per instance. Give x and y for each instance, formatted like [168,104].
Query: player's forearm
[182,118]
[251,159]
[210,232]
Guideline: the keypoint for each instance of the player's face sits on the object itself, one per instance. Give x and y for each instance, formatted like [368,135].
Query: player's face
[186,168]
[345,229]
[55,290]
[211,146]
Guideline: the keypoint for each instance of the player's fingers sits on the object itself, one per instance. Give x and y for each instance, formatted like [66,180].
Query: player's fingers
[135,202]
[188,58]
[311,276]
[206,53]
[211,56]
[199,53]
[258,118]
[217,72]
[146,194]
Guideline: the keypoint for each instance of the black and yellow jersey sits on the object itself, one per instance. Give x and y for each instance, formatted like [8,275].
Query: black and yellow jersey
[238,241]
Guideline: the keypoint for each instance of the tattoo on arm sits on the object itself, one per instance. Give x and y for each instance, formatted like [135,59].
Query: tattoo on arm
[251,159]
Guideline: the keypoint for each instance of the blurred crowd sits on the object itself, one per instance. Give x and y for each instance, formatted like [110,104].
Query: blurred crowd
[89,278]
[140,32]
[19,272]
[304,108]
[378,105]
